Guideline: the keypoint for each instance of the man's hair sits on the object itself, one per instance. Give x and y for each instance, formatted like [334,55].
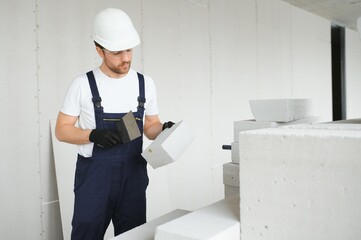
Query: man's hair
[98,45]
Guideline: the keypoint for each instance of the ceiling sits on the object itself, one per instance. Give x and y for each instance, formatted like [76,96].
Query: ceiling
[340,12]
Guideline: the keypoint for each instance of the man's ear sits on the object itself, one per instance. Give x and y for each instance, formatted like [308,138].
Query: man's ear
[100,52]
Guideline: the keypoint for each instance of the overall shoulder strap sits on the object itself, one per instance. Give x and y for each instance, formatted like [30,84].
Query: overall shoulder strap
[94,89]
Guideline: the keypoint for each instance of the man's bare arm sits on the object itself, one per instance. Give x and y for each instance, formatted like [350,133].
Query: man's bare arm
[152,126]
[66,131]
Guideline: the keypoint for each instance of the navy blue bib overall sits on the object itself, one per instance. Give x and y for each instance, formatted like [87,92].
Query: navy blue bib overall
[111,184]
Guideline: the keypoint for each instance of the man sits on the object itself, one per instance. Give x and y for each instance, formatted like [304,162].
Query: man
[111,176]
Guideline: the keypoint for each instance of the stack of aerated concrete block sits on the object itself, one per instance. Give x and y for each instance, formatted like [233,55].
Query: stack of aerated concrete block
[268,114]
[301,182]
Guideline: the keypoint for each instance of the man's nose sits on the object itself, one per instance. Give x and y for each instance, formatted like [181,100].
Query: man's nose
[126,56]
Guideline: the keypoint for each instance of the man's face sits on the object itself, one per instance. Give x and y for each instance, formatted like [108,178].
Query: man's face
[118,62]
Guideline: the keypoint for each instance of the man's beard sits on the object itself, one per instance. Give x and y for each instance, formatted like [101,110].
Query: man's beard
[120,69]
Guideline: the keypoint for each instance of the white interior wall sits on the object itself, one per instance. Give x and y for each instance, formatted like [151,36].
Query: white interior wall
[207,57]
[353,73]
[177,45]
[233,80]
[311,61]
[274,49]
[20,171]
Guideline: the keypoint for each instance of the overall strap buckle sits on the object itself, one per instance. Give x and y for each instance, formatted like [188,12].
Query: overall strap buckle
[141,98]
[97,102]
[141,101]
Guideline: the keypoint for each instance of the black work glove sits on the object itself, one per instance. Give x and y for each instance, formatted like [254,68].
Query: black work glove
[105,138]
[167,125]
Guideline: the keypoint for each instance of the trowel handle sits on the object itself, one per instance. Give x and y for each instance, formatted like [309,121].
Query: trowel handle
[227,147]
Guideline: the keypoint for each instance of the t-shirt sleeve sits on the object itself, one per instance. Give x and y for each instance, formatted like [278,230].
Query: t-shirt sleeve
[151,97]
[72,101]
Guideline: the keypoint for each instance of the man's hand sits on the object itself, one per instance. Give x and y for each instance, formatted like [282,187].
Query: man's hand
[167,125]
[105,138]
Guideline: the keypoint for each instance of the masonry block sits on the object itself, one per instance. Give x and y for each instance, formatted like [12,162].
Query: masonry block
[230,191]
[326,126]
[231,174]
[280,110]
[147,230]
[218,221]
[169,145]
[247,125]
[235,152]
[300,184]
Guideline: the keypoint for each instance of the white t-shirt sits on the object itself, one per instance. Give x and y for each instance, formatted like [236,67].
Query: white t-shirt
[118,96]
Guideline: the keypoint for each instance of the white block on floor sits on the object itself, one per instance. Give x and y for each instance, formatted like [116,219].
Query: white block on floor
[169,145]
[147,230]
[280,110]
[219,221]
[300,184]
[231,174]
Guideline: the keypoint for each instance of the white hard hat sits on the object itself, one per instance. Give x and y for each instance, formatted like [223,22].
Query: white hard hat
[114,30]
